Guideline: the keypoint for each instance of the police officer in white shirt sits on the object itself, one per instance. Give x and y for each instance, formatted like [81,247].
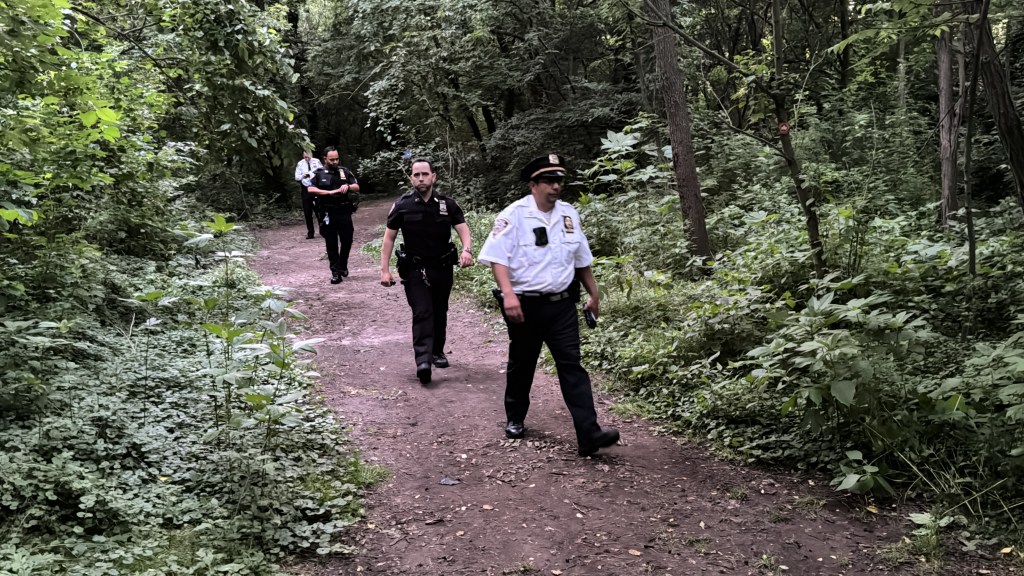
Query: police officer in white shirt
[538,255]
[304,171]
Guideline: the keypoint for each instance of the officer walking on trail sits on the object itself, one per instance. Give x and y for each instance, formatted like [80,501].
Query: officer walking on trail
[539,255]
[304,171]
[337,192]
[425,261]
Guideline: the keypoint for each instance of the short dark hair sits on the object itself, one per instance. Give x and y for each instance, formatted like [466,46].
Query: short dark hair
[331,149]
[421,160]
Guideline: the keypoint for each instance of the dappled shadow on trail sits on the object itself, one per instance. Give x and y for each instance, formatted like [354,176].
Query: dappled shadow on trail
[464,500]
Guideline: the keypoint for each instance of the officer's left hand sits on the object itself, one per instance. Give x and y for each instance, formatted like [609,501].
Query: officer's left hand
[466,260]
[594,306]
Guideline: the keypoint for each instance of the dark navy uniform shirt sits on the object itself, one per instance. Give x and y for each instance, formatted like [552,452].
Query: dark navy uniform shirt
[326,179]
[426,226]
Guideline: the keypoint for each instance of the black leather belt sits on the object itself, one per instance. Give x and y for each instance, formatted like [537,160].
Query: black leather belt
[546,296]
[542,296]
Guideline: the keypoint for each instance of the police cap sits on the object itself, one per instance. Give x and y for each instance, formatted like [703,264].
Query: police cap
[547,166]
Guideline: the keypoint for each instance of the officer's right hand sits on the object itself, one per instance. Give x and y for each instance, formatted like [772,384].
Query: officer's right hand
[386,279]
[513,310]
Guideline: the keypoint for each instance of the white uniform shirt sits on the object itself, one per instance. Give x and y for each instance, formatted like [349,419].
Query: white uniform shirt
[306,167]
[546,269]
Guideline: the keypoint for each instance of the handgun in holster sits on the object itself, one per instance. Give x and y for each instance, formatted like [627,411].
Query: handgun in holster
[451,257]
[404,263]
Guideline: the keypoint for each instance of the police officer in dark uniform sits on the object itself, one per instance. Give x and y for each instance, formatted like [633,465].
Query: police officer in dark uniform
[337,191]
[425,261]
[539,255]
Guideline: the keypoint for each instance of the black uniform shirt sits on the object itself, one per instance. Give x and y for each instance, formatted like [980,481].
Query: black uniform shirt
[426,226]
[327,179]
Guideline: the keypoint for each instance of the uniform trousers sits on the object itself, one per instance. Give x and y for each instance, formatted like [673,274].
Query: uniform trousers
[338,231]
[429,305]
[557,325]
[307,208]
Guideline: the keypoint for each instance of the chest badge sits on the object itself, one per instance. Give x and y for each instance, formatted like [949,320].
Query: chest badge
[567,223]
[444,207]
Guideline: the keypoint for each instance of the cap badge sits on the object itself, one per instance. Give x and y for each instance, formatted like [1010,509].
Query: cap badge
[553,158]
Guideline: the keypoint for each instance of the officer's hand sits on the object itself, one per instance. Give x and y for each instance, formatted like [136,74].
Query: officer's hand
[513,310]
[466,260]
[594,306]
[386,279]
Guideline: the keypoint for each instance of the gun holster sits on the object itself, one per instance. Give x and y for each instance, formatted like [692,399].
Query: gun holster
[451,257]
[404,263]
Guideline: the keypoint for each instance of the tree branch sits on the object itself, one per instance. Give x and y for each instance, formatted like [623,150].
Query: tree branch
[170,79]
[666,21]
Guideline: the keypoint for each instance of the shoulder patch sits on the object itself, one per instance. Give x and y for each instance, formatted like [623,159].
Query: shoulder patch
[393,206]
[501,224]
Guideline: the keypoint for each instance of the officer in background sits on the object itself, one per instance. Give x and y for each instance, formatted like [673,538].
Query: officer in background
[425,261]
[304,171]
[337,192]
[538,254]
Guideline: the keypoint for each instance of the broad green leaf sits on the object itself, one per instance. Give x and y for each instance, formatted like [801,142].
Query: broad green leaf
[89,118]
[107,115]
[849,481]
[843,391]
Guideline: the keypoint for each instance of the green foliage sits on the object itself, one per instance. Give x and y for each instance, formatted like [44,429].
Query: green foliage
[185,443]
[862,374]
[481,87]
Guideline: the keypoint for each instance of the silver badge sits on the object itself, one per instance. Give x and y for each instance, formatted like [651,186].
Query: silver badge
[553,158]
[444,207]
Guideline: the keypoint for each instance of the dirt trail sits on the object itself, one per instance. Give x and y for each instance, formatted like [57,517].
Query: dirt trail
[652,505]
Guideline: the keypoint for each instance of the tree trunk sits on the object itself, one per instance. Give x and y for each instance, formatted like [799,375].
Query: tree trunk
[844,54]
[677,109]
[949,128]
[492,126]
[804,195]
[972,98]
[901,78]
[474,126]
[1000,102]
[641,76]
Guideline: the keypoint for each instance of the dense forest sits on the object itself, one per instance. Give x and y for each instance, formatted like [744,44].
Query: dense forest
[808,217]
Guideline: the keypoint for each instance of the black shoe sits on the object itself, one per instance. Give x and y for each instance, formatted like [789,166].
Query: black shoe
[344,273]
[515,429]
[602,439]
[335,278]
[423,372]
[309,236]
[441,361]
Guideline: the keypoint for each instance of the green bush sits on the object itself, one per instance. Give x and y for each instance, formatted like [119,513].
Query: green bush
[900,373]
[181,438]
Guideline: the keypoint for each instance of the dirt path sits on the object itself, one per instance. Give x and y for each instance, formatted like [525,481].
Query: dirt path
[652,505]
